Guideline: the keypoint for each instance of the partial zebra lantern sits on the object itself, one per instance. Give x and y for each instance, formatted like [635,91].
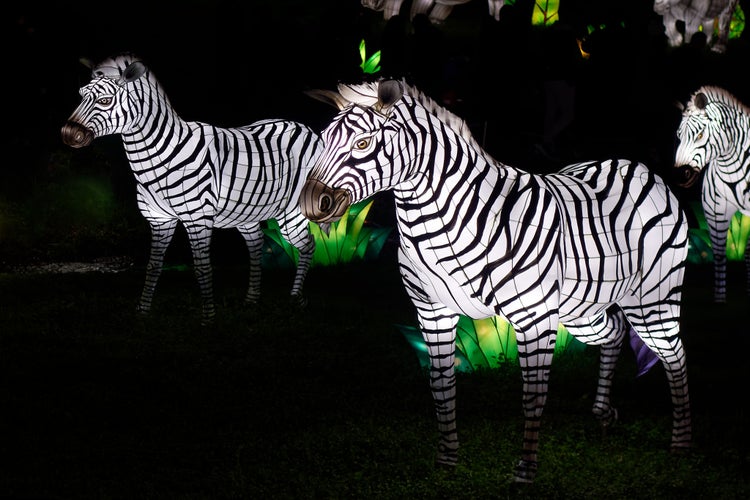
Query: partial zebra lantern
[600,247]
[437,10]
[198,174]
[714,140]
[696,16]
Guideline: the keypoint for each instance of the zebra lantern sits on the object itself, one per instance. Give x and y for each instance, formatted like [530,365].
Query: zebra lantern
[599,246]
[203,176]
[714,137]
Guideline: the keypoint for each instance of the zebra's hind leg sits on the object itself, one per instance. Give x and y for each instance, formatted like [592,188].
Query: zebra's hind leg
[253,236]
[608,330]
[161,235]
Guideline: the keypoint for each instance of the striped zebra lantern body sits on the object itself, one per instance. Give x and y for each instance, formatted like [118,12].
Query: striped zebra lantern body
[714,137]
[203,176]
[600,247]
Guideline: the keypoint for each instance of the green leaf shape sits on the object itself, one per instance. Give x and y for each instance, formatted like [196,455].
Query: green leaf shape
[545,12]
[739,231]
[349,239]
[371,64]
[486,343]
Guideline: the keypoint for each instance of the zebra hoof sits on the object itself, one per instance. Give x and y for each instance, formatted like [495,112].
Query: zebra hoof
[681,450]
[445,466]
[525,471]
[608,418]
[298,301]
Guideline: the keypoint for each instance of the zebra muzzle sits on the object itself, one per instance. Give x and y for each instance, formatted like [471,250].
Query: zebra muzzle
[687,175]
[76,135]
[321,203]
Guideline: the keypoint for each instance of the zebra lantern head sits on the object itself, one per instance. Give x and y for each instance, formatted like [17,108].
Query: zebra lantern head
[362,150]
[107,106]
[702,120]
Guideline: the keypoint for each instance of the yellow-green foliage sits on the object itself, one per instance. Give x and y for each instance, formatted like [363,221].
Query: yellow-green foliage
[348,239]
[485,343]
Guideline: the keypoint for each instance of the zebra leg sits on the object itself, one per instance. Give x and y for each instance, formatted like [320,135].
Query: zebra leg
[200,245]
[718,230]
[161,235]
[438,325]
[668,347]
[723,26]
[655,316]
[296,231]
[253,236]
[608,330]
[536,345]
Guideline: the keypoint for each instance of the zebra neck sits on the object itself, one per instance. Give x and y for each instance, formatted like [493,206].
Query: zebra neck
[461,194]
[158,143]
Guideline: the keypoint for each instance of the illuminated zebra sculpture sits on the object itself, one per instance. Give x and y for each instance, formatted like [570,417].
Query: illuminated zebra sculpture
[203,176]
[714,137]
[437,10]
[599,246]
[697,15]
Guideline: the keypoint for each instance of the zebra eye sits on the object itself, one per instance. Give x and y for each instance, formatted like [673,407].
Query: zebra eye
[104,101]
[362,143]
[700,135]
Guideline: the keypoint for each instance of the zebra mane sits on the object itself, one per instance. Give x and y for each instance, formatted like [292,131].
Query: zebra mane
[111,67]
[366,94]
[720,95]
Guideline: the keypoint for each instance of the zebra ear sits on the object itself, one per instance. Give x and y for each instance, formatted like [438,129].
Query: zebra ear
[329,97]
[700,100]
[389,91]
[133,72]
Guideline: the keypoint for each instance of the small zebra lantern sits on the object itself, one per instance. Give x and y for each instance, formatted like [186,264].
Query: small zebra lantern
[714,137]
[599,246]
[203,176]
[697,16]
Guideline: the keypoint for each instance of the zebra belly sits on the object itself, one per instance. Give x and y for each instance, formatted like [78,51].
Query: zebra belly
[591,285]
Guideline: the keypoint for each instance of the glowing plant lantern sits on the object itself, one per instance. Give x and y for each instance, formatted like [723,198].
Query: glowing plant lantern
[348,240]
[486,343]
[371,65]
[545,12]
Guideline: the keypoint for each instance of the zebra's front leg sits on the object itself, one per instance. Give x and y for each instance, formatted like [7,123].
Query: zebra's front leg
[718,230]
[296,231]
[438,325]
[161,235]
[536,345]
[200,244]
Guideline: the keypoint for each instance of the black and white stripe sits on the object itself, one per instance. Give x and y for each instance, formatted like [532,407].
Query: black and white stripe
[599,246]
[714,137]
[203,176]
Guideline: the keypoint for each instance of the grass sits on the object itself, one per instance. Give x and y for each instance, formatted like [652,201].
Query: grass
[329,402]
